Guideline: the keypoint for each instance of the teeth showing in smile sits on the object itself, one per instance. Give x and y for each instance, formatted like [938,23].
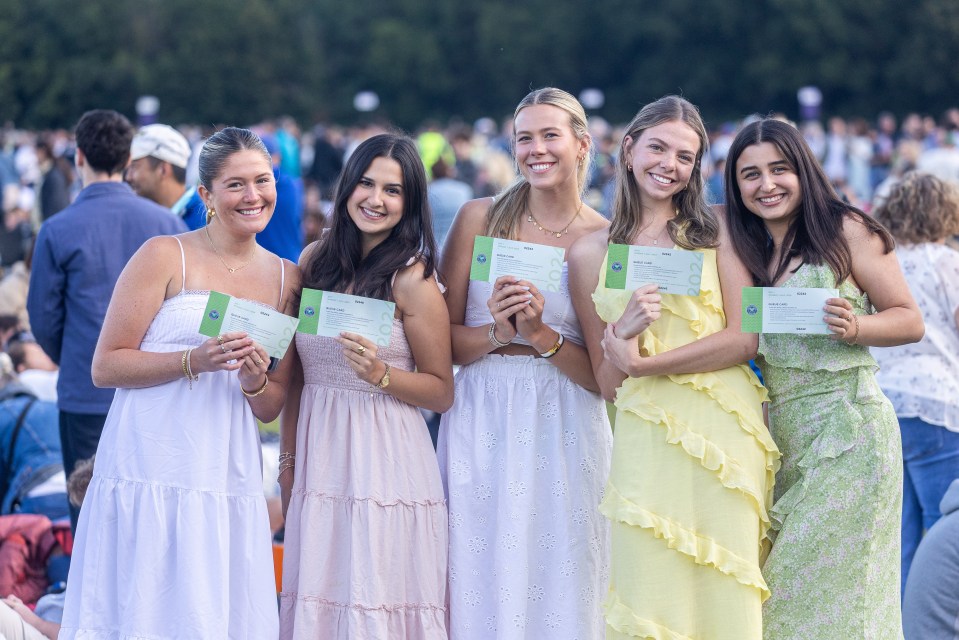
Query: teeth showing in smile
[661,179]
[250,212]
[372,214]
[540,167]
[772,199]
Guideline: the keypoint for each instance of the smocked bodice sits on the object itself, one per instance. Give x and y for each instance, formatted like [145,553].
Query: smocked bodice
[814,353]
[325,365]
[558,311]
[176,325]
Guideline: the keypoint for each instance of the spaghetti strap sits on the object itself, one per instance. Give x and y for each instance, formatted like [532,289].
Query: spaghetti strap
[182,266]
[282,284]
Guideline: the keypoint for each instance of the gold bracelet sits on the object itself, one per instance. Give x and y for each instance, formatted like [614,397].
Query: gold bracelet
[283,468]
[855,336]
[187,370]
[287,455]
[253,394]
[552,352]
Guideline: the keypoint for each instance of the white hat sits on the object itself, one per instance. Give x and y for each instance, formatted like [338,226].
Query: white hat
[161,142]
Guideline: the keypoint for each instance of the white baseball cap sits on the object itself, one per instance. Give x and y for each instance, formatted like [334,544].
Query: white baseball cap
[162,142]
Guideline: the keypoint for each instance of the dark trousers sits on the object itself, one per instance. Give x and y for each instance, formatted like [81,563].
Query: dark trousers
[79,436]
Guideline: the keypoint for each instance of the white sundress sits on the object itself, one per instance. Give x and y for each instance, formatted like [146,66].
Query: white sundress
[173,541]
[524,454]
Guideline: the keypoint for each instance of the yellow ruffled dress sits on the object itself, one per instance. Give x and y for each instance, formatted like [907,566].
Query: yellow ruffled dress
[690,486]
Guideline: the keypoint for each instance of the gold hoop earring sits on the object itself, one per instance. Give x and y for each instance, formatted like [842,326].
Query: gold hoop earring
[629,168]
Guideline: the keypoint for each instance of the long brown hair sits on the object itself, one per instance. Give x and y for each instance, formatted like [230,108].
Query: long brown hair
[695,226]
[504,215]
[920,208]
[816,233]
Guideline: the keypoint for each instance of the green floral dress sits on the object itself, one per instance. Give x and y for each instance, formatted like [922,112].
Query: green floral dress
[834,567]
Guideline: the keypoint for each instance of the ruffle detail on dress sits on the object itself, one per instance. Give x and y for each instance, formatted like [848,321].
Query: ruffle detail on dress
[378,502]
[621,618]
[839,436]
[730,473]
[704,551]
[733,403]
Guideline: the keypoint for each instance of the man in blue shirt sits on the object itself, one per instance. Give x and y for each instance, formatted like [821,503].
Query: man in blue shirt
[79,255]
[159,157]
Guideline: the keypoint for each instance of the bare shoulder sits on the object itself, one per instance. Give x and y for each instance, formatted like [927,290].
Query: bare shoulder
[858,235]
[307,253]
[411,286]
[590,248]
[471,218]
[161,252]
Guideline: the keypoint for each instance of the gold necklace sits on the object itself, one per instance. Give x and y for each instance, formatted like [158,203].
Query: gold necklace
[655,239]
[558,234]
[217,252]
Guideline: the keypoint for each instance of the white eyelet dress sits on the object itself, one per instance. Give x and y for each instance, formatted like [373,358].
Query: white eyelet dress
[525,453]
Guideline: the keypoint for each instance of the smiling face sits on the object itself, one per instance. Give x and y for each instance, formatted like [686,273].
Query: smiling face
[663,158]
[144,177]
[768,185]
[243,194]
[376,204]
[547,150]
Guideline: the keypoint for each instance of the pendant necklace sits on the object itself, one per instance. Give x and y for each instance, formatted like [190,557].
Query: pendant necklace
[558,234]
[217,252]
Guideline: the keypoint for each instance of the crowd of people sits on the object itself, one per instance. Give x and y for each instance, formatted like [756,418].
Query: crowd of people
[608,462]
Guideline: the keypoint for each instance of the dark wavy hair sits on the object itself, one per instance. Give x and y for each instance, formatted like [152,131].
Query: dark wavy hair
[104,136]
[816,233]
[338,263]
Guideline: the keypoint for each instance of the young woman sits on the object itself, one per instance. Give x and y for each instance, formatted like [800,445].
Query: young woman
[365,549]
[525,448]
[174,538]
[834,567]
[693,463]
[922,380]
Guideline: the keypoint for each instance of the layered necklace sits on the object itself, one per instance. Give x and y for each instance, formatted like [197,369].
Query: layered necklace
[560,233]
[217,252]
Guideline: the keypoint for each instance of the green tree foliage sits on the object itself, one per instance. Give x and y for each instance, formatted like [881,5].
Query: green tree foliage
[213,62]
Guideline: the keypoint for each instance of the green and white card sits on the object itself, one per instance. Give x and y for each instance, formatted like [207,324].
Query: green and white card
[538,263]
[673,270]
[785,310]
[327,313]
[268,327]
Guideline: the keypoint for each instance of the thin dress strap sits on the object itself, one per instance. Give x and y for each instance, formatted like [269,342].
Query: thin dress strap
[282,285]
[182,266]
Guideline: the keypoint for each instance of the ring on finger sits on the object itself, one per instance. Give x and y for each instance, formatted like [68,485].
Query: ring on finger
[361,349]
[258,361]
[219,340]
[222,348]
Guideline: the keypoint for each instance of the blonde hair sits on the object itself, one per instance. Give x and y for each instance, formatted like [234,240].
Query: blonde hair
[695,226]
[504,215]
[920,208]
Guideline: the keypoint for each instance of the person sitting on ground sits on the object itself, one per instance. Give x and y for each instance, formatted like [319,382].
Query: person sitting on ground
[17,621]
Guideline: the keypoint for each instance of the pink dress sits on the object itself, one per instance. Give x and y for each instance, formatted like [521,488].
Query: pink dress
[366,533]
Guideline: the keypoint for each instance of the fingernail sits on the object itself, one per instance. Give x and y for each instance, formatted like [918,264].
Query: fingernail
[529,296]
[525,288]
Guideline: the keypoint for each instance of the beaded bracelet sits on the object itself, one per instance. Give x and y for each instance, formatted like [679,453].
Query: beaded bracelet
[253,394]
[855,336]
[493,340]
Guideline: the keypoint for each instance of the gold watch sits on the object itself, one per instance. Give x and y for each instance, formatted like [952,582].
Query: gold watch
[385,381]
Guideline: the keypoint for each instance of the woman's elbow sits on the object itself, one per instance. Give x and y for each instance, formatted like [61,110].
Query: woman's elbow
[750,348]
[443,401]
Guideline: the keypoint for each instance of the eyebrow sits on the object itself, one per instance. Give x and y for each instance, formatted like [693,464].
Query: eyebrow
[388,184]
[549,128]
[240,178]
[665,144]
[774,163]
